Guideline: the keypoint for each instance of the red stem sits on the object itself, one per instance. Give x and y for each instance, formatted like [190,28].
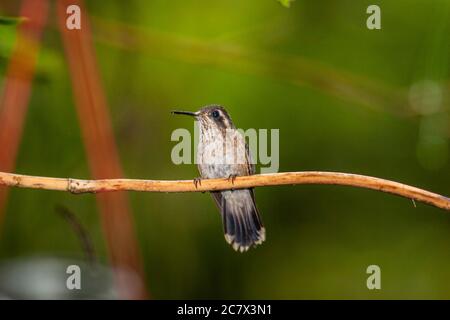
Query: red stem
[17,88]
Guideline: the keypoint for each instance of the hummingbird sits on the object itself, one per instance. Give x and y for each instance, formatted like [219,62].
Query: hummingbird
[222,152]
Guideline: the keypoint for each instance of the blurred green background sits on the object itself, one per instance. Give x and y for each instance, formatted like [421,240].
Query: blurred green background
[345,98]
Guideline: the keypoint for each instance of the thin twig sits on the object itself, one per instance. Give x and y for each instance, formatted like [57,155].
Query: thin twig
[78,186]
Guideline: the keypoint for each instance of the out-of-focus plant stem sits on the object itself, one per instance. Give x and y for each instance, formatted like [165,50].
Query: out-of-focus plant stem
[295,69]
[100,145]
[17,86]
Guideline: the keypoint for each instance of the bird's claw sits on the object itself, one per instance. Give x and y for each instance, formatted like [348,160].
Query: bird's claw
[232,177]
[197,181]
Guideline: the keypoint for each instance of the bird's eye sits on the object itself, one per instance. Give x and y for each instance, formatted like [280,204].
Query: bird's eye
[215,114]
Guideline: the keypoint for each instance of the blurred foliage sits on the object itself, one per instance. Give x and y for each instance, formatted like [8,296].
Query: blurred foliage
[286,3]
[11,20]
[7,34]
[320,239]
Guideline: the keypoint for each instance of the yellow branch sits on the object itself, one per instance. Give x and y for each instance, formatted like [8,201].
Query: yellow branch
[274,179]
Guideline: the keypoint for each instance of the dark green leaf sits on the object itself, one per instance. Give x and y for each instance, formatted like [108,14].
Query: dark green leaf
[11,21]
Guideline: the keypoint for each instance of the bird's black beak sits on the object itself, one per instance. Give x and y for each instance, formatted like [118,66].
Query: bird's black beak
[187,113]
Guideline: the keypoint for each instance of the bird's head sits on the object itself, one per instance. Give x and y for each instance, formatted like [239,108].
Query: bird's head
[213,116]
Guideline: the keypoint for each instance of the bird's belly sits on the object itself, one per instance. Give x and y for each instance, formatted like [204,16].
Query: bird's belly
[211,171]
[220,160]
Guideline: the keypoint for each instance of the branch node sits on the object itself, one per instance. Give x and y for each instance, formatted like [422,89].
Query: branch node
[76,186]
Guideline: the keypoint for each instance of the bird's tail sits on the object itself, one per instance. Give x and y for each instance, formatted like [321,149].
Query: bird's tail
[242,223]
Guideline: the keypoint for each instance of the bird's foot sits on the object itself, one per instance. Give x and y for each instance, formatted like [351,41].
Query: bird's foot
[197,181]
[232,177]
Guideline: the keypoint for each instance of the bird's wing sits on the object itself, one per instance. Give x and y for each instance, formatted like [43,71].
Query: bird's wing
[251,167]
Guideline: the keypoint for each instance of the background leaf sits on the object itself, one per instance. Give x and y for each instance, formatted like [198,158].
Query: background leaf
[286,3]
[8,21]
